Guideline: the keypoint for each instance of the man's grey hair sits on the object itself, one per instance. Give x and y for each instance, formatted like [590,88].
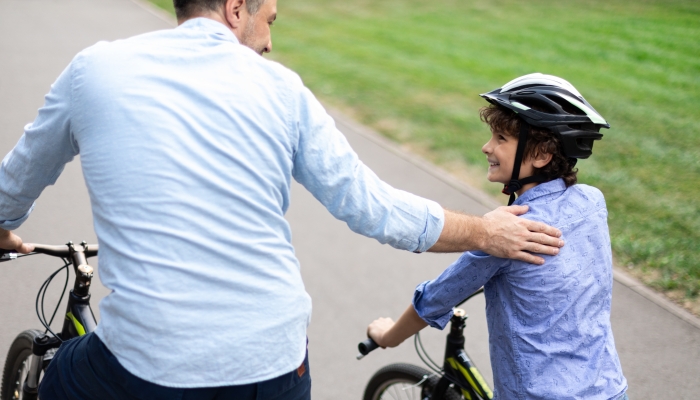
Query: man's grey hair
[186,8]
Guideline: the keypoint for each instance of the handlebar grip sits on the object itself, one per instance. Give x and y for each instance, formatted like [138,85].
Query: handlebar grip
[365,347]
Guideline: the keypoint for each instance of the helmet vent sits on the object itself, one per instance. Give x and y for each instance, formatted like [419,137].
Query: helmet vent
[565,105]
[539,105]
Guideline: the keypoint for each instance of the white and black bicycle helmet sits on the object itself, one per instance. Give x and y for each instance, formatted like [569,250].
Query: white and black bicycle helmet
[549,102]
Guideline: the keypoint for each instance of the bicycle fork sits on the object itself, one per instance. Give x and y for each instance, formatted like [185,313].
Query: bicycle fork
[79,320]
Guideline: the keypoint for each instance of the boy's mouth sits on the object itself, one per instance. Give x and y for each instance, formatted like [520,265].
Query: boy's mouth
[493,164]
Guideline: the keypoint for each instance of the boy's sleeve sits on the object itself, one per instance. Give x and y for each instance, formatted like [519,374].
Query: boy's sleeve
[434,300]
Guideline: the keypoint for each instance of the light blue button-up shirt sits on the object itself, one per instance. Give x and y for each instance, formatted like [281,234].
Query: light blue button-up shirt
[188,142]
[549,325]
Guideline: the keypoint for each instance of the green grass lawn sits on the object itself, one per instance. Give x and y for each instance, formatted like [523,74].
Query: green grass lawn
[413,70]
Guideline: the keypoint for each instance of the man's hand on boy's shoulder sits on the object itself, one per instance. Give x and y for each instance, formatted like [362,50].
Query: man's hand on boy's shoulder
[507,236]
[499,233]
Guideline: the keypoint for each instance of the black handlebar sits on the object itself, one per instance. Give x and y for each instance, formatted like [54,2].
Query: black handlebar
[365,347]
[63,251]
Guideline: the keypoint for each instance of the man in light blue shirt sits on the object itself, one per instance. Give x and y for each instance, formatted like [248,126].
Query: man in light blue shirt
[188,141]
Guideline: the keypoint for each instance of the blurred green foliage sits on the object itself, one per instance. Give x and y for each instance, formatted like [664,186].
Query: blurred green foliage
[164,4]
[413,70]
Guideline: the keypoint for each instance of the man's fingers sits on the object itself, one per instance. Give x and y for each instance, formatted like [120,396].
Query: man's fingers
[515,210]
[541,249]
[10,241]
[544,239]
[534,226]
[26,248]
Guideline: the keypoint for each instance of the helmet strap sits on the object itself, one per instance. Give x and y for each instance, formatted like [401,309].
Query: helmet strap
[516,184]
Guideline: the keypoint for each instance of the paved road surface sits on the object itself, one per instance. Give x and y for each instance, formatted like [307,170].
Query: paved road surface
[350,278]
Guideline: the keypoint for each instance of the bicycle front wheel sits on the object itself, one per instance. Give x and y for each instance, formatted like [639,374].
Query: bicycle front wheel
[17,365]
[397,382]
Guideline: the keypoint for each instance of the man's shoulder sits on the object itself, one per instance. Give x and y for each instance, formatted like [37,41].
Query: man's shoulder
[280,70]
[145,45]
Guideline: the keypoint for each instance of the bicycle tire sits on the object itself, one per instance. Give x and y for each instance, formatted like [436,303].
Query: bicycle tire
[399,381]
[17,365]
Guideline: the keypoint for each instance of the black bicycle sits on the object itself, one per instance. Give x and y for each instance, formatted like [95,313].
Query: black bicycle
[456,379]
[32,350]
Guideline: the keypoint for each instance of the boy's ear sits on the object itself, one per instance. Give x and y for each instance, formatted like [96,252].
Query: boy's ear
[541,159]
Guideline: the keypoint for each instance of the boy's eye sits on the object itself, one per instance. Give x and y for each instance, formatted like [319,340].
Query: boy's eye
[501,137]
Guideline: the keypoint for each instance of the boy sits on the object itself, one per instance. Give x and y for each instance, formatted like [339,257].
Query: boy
[549,326]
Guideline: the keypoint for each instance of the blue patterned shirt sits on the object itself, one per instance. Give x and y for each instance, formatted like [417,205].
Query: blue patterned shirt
[549,325]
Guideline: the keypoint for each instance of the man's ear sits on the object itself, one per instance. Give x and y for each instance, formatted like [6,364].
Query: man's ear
[541,159]
[233,10]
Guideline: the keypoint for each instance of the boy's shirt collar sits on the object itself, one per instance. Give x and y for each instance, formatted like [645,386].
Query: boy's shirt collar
[540,190]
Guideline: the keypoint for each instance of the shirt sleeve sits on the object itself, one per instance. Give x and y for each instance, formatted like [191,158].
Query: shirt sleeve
[434,300]
[326,165]
[38,158]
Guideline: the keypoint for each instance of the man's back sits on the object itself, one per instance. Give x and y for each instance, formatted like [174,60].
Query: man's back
[189,172]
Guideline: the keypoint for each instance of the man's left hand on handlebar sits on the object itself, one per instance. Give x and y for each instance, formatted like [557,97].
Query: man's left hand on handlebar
[10,241]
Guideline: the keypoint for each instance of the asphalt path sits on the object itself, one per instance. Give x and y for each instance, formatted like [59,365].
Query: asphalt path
[351,279]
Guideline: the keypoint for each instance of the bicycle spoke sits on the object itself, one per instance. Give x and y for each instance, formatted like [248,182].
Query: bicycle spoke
[401,391]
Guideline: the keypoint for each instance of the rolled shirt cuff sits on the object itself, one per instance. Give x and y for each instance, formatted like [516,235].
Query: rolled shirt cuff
[435,221]
[10,225]
[429,313]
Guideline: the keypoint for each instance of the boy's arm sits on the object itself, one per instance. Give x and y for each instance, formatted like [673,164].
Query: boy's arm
[433,300]
[389,334]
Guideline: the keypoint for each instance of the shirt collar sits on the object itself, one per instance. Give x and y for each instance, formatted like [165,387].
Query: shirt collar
[209,26]
[540,190]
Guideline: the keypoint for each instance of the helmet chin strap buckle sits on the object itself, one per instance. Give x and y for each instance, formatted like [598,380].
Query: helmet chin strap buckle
[512,187]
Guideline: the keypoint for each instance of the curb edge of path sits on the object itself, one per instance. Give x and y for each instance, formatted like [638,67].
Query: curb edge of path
[477,195]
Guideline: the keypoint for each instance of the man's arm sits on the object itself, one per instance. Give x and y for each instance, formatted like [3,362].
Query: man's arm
[499,233]
[328,167]
[36,161]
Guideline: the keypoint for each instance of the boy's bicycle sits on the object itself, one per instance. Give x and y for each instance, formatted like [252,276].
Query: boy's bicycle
[457,379]
[32,350]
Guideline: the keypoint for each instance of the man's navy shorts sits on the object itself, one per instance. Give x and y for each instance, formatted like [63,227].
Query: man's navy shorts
[84,369]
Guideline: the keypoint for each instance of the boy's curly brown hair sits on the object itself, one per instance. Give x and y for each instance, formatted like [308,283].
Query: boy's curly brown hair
[539,141]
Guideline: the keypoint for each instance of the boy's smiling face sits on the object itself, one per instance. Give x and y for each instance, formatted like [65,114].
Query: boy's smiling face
[500,154]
